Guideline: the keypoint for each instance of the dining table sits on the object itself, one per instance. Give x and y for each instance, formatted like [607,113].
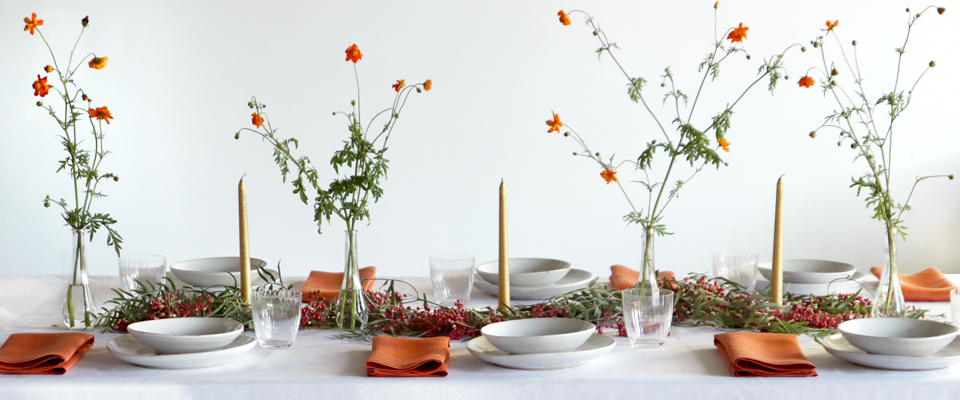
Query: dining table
[321,365]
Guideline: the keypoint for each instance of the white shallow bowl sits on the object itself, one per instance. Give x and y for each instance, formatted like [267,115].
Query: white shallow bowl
[809,271]
[898,336]
[538,335]
[527,272]
[214,271]
[186,335]
[856,282]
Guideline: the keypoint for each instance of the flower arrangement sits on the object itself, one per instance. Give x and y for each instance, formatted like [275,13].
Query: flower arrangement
[83,164]
[363,165]
[685,144]
[859,125]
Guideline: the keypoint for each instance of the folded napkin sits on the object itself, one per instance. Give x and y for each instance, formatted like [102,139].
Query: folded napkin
[326,285]
[622,277]
[927,285]
[43,353]
[750,354]
[409,357]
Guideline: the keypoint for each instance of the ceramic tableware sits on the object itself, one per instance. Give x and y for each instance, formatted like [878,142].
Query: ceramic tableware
[186,335]
[809,271]
[538,335]
[898,336]
[529,272]
[215,271]
[575,279]
[595,346]
[128,349]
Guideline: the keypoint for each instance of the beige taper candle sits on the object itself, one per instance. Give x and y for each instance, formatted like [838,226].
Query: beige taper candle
[776,283]
[246,286]
[504,272]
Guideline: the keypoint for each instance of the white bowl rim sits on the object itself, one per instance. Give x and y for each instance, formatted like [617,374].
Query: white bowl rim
[561,265]
[138,327]
[848,267]
[186,265]
[584,326]
[952,329]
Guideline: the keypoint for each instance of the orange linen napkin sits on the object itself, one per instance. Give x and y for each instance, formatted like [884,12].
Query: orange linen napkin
[926,285]
[750,354]
[43,353]
[409,357]
[326,285]
[622,277]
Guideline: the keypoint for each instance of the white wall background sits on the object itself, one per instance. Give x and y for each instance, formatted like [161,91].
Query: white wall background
[181,72]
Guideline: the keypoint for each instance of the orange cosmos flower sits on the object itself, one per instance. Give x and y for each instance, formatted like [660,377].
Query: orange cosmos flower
[724,143]
[806,82]
[48,69]
[564,19]
[354,54]
[738,34]
[98,62]
[257,121]
[32,23]
[831,25]
[400,84]
[100,113]
[428,84]
[554,123]
[40,87]
[609,176]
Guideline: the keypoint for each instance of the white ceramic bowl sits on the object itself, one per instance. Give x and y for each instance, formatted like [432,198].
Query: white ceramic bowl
[186,335]
[538,335]
[809,271]
[215,271]
[532,272]
[898,336]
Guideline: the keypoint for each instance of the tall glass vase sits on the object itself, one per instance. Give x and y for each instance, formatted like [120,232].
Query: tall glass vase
[889,299]
[78,307]
[352,311]
[648,272]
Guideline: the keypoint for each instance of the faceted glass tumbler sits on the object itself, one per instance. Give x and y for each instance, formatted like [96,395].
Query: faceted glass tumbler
[737,266]
[452,276]
[276,317]
[148,269]
[647,317]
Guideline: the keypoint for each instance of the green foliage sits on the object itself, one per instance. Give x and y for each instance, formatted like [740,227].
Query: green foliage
[82,164]
[360,165]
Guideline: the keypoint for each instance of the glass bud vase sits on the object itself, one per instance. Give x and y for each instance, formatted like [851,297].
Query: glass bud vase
[648,273]
[79,307]
[352,311]
[889,299]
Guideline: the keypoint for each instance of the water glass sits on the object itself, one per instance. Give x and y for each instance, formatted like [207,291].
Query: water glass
[955,305]
[737,266]
[146,268]
[452,276]
[276,317]
[647,316]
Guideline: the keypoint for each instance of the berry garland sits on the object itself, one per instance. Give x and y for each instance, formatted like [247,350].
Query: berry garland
[699,301]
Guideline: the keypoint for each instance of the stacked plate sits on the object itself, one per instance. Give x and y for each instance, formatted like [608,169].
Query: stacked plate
[896,343]
[177,343]
[816,277]
[216,271]
[533,278]
[540,343]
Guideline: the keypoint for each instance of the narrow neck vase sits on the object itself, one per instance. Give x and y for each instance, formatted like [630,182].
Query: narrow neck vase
[352,310]
[78,307]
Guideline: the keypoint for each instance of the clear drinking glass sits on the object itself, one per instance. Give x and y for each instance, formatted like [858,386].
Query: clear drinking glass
[738,266]
[276,317]
[149,269]
[647,317]
[955,305]
[452,276]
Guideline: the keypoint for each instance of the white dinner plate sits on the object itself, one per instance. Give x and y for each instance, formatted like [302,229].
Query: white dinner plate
[596,346]
[130,350]
[835,344]
[851,285]
[809,271]
[575,279]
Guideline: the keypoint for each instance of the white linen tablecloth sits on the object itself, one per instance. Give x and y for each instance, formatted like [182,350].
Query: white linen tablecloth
[317,366]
